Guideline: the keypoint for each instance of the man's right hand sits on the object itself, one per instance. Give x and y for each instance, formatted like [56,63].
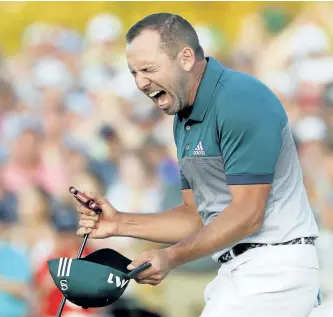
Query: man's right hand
[98,226]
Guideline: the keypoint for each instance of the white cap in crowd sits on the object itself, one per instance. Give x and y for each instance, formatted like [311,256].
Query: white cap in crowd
[309,39]
[52,73]
[280,82]
[38,33]
[207,39]
[318,70]
[309,129]
[104,27]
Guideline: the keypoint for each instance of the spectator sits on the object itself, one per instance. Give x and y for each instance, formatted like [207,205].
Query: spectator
[66,245]
[107,169]
[23,167]
[71,115]
[166,169]
[15,270]
[136,187]
[53,161]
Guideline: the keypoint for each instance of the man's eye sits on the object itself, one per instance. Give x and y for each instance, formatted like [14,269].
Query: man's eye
[148,70]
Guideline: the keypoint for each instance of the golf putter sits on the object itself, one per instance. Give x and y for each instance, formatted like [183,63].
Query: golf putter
[92,205]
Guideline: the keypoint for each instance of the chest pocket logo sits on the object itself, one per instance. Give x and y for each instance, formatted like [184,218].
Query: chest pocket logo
[199,150]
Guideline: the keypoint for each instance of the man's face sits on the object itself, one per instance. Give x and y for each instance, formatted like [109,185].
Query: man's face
[156,74]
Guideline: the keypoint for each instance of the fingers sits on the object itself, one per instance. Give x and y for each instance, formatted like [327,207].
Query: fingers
[140,260]
[108,209]
[150,281]
[93,217]
[147,273]
[100,200]
[83,231]
[154,279]
[90,224]
[85,211]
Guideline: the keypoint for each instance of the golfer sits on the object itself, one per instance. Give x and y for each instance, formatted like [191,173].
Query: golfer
[244,200]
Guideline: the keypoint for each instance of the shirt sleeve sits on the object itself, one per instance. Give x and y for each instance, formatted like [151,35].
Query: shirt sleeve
[250,141]
[184,184]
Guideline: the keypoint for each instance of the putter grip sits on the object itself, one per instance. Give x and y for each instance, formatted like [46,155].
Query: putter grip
[85,201]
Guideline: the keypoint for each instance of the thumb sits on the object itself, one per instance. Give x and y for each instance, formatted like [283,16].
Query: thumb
[136,263]
[102,202]
[96,197]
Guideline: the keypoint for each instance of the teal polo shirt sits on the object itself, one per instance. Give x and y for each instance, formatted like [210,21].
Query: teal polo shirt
[237,133]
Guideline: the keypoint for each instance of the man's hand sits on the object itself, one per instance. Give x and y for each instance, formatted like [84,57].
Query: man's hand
[161,265]
[98,226]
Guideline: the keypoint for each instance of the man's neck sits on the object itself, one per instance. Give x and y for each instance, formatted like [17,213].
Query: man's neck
[197,76]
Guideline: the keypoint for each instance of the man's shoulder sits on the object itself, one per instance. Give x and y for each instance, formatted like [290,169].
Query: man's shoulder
[242,93]
[237,82]
[235,88]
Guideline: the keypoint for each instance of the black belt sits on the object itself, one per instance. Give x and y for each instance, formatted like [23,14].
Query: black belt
[243,247]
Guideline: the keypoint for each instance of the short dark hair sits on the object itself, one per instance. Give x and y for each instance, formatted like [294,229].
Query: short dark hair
[174,30]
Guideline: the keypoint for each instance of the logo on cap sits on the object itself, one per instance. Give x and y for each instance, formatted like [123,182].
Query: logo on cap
[119,282]
[64,267]
[63,285]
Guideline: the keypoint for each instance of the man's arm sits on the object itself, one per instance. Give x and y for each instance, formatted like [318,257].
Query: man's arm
[243,217]
[168,227]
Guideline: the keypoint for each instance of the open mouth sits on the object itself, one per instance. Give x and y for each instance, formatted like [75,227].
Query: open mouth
[159,96]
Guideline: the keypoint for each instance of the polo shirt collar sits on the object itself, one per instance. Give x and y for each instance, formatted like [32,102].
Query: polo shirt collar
[209,80]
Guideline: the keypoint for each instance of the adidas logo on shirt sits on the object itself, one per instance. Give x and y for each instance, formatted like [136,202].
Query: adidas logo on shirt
[199,150]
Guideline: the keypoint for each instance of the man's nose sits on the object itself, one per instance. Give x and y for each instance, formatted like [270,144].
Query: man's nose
[142,82]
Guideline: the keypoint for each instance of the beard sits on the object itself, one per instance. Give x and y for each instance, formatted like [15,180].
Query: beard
[180,98]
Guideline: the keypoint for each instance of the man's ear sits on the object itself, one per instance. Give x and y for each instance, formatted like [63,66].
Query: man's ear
[187,58]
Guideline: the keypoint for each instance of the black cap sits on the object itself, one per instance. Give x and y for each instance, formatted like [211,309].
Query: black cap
[64,218]
[107,131]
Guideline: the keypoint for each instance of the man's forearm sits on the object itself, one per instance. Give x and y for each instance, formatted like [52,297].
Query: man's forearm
[231,226]
[167,227]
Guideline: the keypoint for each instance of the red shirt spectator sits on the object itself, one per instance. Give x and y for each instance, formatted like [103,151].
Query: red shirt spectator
[50,296]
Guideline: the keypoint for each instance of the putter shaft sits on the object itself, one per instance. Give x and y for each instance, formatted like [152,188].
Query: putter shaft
[83,244]
[63,301]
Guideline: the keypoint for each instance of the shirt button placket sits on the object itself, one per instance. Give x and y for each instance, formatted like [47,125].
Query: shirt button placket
[188,128]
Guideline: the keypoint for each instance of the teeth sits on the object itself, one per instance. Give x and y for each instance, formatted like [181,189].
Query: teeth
[154,93]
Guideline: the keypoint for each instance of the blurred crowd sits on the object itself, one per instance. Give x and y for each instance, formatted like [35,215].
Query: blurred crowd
[71,115]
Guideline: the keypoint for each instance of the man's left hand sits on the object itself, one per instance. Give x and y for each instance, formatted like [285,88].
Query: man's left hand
[159,269]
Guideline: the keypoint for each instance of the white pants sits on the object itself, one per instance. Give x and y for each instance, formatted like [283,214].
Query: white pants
[324,310]
[273,281]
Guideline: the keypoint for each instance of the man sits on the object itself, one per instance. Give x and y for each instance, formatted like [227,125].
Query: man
[241,181]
